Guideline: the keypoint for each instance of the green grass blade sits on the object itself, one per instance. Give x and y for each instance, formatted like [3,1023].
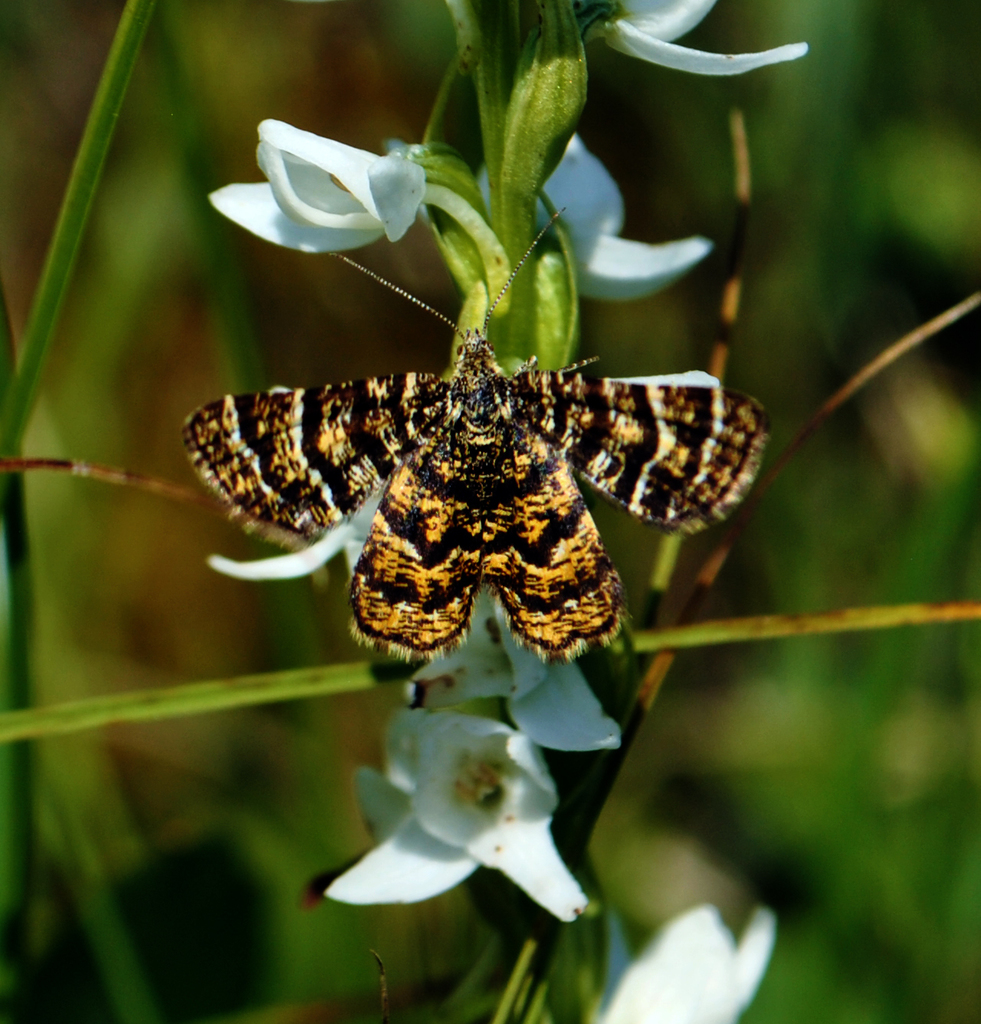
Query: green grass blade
[15,690]
[86,172]
[195,698]
[770,627]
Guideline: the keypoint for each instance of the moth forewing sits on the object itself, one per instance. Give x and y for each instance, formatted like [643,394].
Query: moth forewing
[676,457]
[306,459]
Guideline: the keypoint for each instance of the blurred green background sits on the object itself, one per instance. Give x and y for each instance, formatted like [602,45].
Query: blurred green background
[835,779]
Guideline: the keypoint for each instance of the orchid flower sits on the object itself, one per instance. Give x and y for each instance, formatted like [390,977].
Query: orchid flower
[324,196]
[693,972]
[647,28]
[551,703]
[610,267]
[459,792]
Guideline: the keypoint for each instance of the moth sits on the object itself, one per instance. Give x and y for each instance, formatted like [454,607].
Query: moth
[477,487]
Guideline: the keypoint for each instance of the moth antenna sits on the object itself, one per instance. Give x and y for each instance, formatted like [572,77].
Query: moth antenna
[400,291]
[514,273]
[581,364]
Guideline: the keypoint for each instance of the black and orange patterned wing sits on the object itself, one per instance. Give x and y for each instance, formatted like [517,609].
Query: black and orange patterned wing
[303,460]
[414,586]
[544,559]
[674,456]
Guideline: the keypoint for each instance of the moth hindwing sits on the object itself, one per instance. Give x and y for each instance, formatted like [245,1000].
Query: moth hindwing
[477,489]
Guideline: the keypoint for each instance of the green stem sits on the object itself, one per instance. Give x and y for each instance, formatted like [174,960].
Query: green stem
[195,698]
[297,684]
[494,79]
[15,691]
[435,128]
[19,394]
[769,627]
[15,763]
[519,974]
[668,550]
[496,266]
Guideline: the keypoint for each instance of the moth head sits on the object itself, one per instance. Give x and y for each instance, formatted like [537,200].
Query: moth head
[476,353]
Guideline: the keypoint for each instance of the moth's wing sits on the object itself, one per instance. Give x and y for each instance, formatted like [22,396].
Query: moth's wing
[414,586]
[544,559]
[304,459]
[675,457]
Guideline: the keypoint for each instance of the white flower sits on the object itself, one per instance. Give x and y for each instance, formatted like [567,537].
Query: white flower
[646,28]
[610,267]
[693,972]
[551,703]
[323,196]
[688,379]
[459,792]
[348,537]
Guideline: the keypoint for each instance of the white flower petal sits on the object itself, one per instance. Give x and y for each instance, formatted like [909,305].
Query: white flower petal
[627,38]
[688,974]
[347,164]
[360,524]
[480,668]
[563,713]
[397,187]
[385,807]
[618,961]
[409,866]
[286,567]
[254,208]
[402,748]
[618,268]
[525,852]
[527,756]
[307,195]
[470,778]
[584,190]
[753,954]
[528,669]
[688,379]
[667,19]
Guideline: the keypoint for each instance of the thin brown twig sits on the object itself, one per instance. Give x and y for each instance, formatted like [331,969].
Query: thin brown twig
[162,488]
[658,668]
[113,475]
[732,292]
[669,545]
[383,986]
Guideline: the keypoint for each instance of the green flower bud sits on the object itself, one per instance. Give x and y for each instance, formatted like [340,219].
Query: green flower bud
[544,108]
[546,103]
